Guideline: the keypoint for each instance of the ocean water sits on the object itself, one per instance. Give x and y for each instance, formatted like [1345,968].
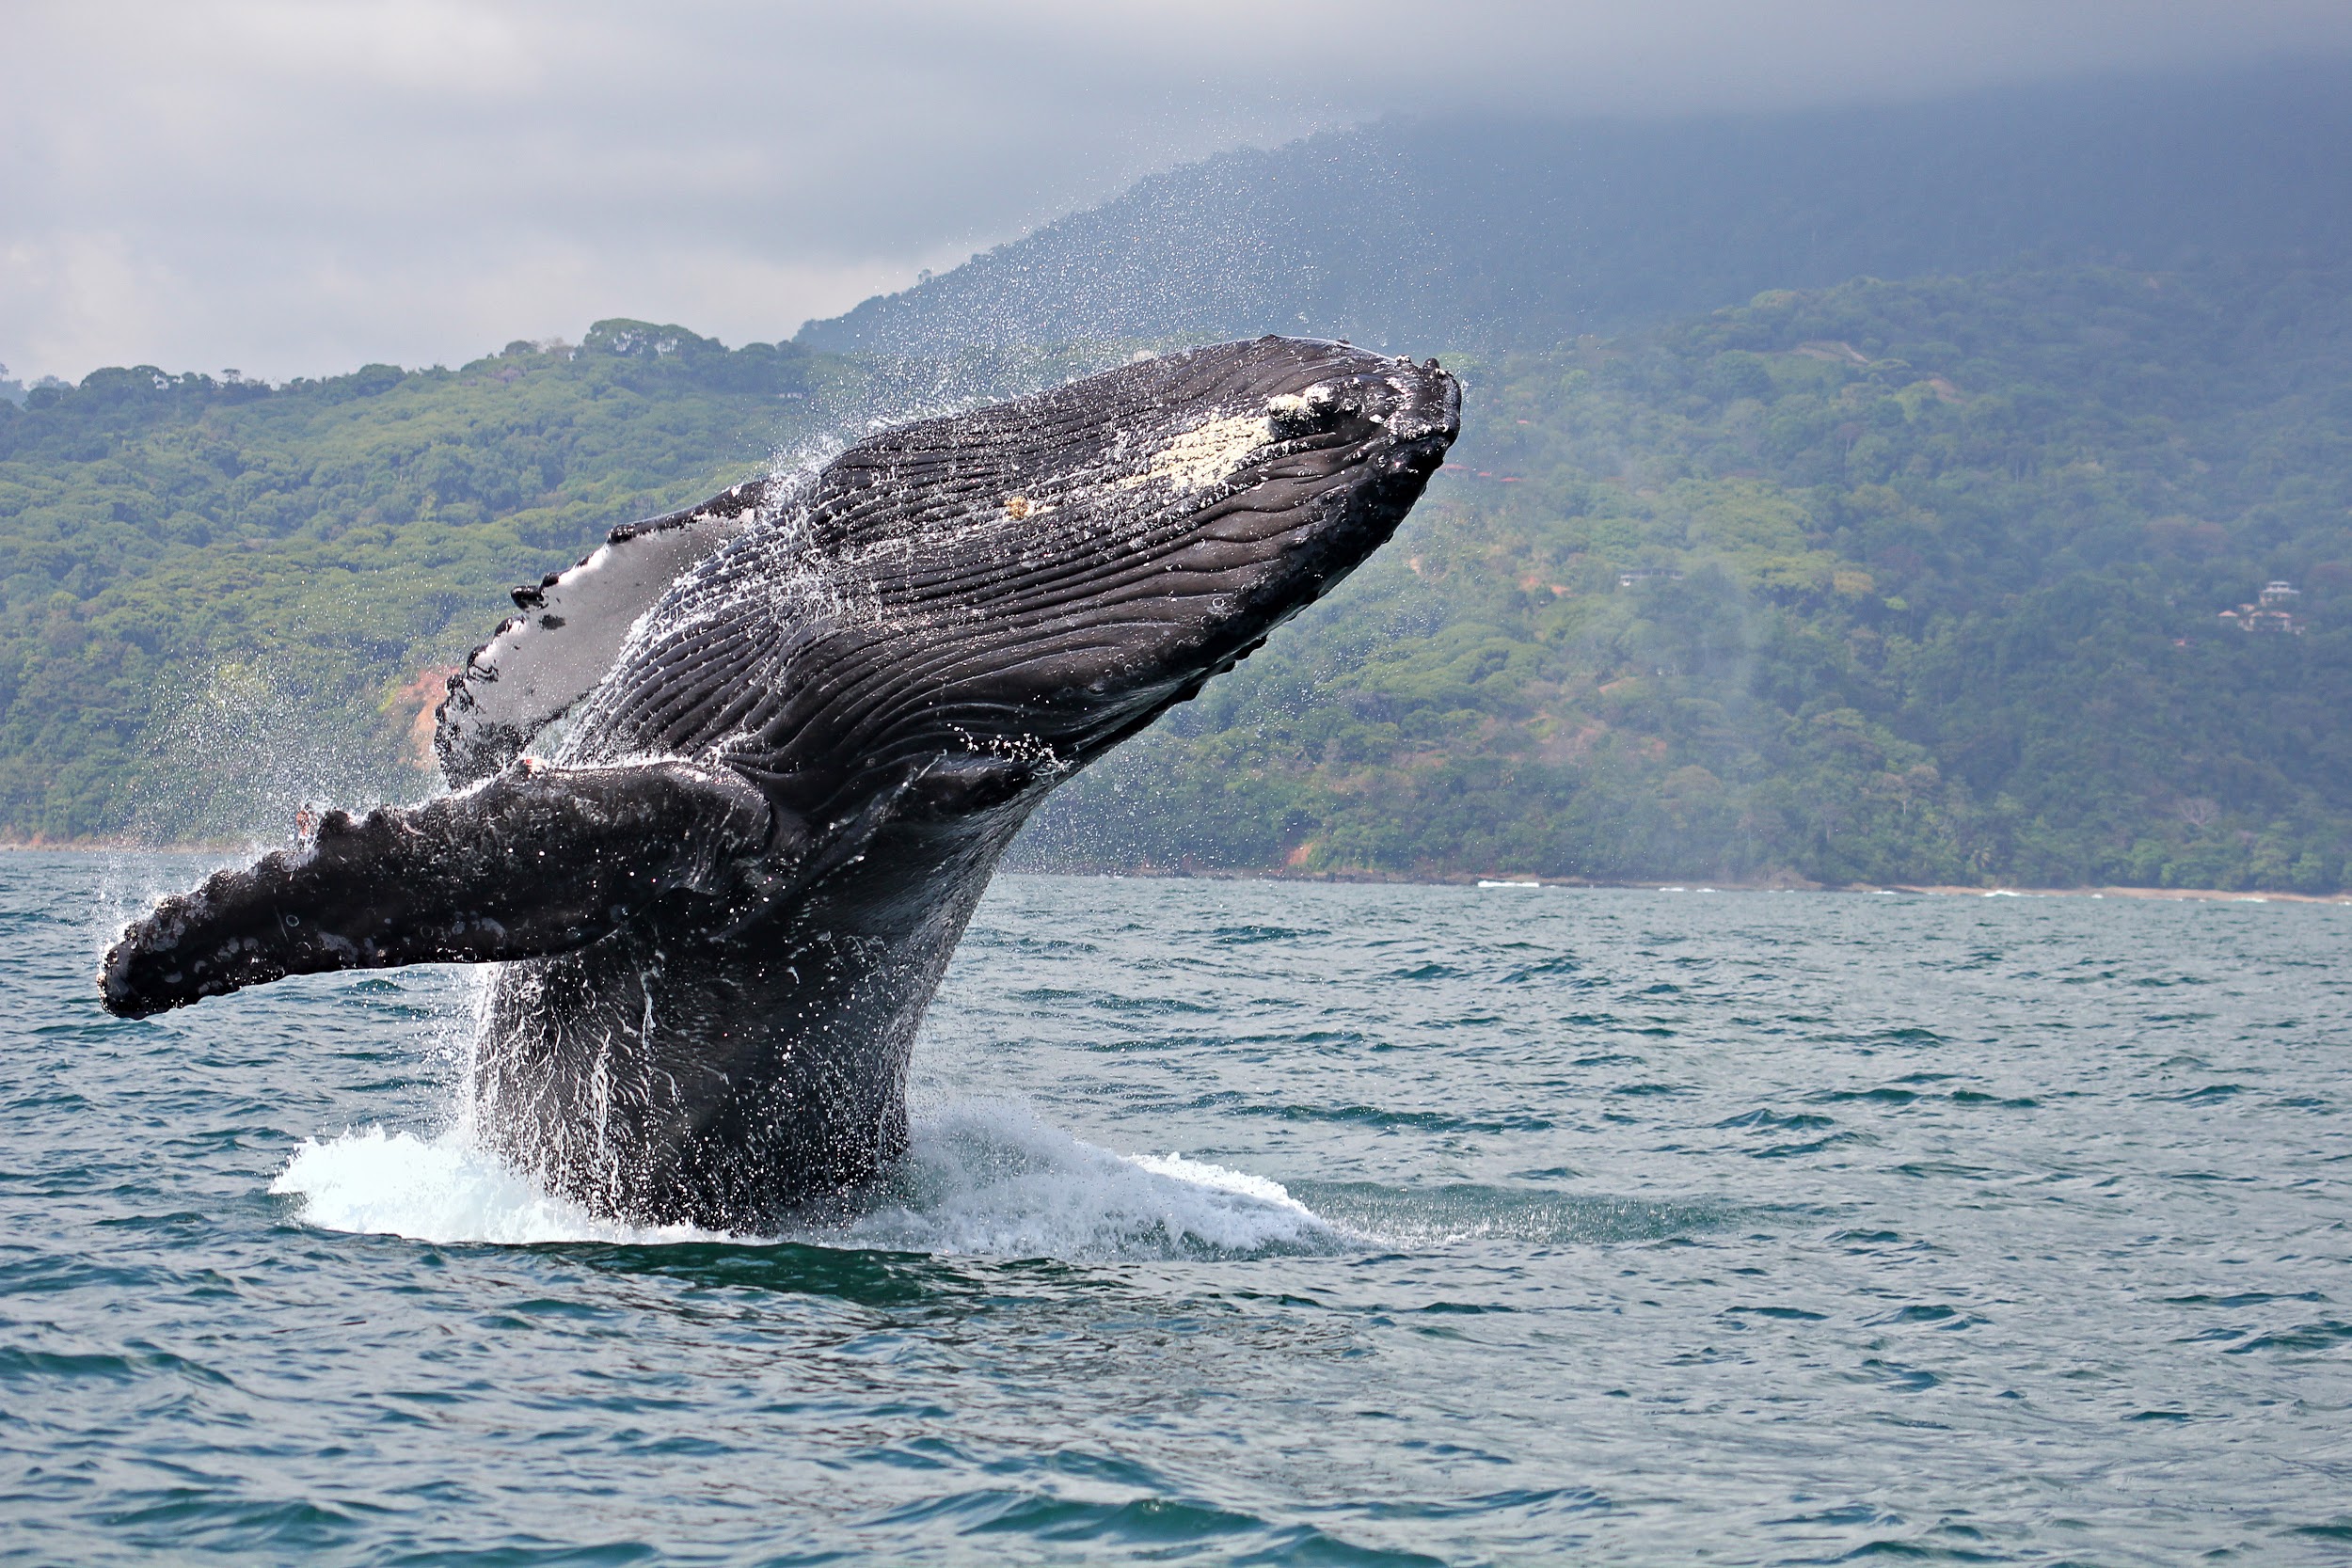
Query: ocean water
[1245,1223]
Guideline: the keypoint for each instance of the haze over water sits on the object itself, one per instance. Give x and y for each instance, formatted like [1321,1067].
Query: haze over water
[1247,1222]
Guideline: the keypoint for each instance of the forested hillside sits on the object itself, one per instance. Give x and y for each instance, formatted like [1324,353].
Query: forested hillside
[1473,232]
[1889,581]
[221,597]
[1893,581]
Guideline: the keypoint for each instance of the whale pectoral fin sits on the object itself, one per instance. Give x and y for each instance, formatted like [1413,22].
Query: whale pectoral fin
[534,862]
[571,628]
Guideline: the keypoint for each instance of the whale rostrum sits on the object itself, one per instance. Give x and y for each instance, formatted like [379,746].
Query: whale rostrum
[725,793]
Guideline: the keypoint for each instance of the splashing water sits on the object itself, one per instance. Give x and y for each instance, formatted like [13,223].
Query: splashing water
[980,1178]
[990,1179]
[376,1182]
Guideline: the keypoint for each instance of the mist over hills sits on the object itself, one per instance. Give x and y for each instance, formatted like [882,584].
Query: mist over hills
[1478,233]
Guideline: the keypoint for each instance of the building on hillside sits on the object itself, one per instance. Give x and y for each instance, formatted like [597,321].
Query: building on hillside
[2273,611]
[1649,574]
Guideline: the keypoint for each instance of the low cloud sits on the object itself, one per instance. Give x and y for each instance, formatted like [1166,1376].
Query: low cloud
[293,188]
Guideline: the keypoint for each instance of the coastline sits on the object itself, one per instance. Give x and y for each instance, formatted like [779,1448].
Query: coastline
[2252,895]
[1498,879]
[1460,879]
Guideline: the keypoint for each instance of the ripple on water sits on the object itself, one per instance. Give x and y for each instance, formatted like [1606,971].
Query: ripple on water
[1243,1223]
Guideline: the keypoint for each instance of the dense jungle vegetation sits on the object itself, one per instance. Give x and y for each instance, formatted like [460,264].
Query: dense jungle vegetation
[1887,582]
[1891,581]
[221,596]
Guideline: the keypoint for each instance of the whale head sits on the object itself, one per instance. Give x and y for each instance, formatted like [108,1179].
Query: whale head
[1174,518]
[991,601]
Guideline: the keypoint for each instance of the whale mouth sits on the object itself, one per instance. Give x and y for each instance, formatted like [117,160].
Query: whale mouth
[1341,461]
[1265,509]
[1294,482]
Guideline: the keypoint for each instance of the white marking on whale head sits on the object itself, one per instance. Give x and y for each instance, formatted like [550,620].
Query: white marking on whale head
[1206,453]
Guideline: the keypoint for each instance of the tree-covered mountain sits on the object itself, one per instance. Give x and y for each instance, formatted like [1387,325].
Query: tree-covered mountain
[215,597]
[1471,233]
[1887,581]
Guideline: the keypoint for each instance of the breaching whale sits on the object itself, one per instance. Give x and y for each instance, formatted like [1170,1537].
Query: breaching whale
[725,793]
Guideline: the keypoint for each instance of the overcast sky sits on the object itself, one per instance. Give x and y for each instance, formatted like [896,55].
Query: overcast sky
[295,188]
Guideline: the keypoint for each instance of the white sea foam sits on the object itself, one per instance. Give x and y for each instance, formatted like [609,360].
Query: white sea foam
[981,1179]
[991,1180]
[383,1184]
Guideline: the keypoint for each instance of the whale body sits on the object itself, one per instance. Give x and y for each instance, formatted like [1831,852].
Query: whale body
[725,793]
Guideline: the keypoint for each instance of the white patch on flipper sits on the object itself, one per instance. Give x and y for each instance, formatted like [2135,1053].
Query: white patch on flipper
[565,641]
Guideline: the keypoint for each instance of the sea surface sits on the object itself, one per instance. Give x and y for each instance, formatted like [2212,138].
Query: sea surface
[1246,1221]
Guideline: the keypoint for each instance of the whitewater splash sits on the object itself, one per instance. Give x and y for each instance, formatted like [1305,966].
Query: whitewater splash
[979,1180]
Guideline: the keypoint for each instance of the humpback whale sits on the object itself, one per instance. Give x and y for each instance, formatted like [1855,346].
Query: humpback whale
[724,794]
